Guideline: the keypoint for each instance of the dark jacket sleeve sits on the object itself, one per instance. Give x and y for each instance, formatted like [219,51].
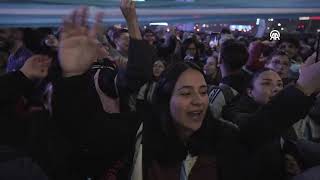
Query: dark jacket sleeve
[84,124]
[288,107]
[140,61]
[235,115]
[13,86]
[240,110]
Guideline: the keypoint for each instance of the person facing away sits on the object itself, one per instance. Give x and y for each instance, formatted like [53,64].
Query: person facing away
[233,56]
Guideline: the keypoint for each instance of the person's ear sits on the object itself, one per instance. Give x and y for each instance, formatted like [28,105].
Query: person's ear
[249,92]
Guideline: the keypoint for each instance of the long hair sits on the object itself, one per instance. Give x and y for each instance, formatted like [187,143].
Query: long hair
[165,87]
[256,75]
[186,43]
[161,140]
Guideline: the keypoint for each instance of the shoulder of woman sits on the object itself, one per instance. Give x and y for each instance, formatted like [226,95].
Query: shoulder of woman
[224,129]
[228,126]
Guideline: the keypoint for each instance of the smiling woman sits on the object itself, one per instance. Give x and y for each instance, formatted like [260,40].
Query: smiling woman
[189,102]
[177,127]
[180,138]
[182,98]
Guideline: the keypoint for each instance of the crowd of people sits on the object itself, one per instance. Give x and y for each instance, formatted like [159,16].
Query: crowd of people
[124,103]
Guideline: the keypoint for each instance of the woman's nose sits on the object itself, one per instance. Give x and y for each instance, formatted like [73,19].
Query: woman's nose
[196,99]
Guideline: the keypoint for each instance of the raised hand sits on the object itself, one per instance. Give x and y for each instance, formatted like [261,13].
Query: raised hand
[128,9]
[36,67]
[309,80]
[79,47]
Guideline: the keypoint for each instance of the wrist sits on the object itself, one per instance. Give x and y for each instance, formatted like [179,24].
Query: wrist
[132,18]
[27,74]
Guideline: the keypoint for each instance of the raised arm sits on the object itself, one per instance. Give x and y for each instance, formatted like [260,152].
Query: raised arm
[74,109]
[128,9]
[288,107]
[19,83]
[141,54]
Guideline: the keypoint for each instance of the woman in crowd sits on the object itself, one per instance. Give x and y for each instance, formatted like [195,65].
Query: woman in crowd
[211,70]
[264,85]
[146,92]
[190,51]
[178,140]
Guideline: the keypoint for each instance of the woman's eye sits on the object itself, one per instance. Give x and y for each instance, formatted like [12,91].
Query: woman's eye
[203,92]
[265,83]
[185,93]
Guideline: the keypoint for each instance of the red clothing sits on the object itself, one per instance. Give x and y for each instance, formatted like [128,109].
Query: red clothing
[255,51]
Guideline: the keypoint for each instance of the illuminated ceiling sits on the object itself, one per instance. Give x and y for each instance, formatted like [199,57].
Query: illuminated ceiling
[50,12]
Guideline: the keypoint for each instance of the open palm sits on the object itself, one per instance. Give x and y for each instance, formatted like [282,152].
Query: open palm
[78,47]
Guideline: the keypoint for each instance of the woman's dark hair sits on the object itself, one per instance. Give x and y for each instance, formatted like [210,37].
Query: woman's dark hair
[168,79]
[256,75]
[163,62]
[162,141]
[186,43]
[165,87]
